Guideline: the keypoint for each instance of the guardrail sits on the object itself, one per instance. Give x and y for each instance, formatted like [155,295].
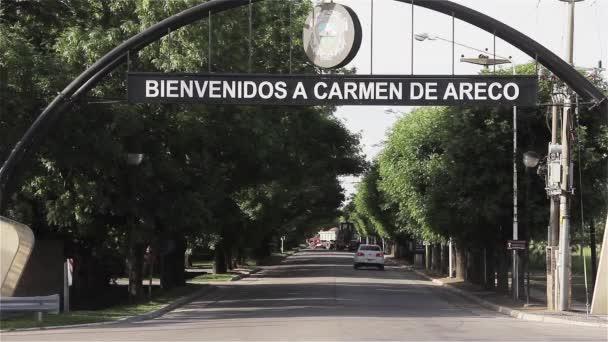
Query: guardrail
[38,305]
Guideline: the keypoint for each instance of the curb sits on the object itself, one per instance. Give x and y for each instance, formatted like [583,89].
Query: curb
[142,317]
[245,275]
[508,311]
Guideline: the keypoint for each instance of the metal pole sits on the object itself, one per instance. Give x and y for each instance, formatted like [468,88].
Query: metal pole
[552,239]
[209,42]
[290,35]
[485,267]
[564,210]
[412,40]
[494,53]
[250,38]
[451,258]
[150,280]
[515,270]
[453,47]
[371,39]
[564,198]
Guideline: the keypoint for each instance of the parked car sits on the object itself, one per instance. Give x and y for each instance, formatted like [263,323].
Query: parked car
[369,255]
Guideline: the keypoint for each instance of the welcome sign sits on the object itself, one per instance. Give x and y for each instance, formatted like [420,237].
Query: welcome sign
[311,90]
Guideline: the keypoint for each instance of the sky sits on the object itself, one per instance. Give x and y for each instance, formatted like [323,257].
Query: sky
[542,20]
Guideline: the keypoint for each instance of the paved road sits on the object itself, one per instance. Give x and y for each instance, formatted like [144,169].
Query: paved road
[316,295]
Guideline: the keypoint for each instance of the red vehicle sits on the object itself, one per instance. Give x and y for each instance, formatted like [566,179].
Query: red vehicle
[314,241]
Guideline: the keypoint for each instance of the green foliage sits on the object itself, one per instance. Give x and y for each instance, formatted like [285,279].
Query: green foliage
[245,174]
[448,172]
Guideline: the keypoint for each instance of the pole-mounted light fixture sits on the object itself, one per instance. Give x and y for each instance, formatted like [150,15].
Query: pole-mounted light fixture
[134,159]
[558,96]
[531,159]
[424,36]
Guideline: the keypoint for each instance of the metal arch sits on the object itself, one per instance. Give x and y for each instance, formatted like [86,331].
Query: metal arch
[551,61]
[91,76]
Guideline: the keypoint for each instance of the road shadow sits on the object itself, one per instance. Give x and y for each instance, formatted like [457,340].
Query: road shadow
[319,284]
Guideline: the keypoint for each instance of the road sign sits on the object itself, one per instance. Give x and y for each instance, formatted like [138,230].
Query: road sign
[516,244]
[314,90]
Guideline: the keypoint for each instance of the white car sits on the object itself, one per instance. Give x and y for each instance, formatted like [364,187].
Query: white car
[369,255]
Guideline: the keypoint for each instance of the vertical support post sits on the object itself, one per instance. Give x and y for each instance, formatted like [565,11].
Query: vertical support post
[581,194]
[553,234]
[453,47]
[494,53]
[66,288]
[290,35]
[150,279]
[249,62]
[528,274]
[169,39]
[209,42]
[427,256]
[371,39]
[515,269]
[564,209]
[485,267]
[412,40]
[451,259]
[564,198]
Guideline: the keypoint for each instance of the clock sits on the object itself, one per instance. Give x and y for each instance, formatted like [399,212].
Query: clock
[331,35]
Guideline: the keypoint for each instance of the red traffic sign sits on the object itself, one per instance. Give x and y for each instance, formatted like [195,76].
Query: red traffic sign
[516,244]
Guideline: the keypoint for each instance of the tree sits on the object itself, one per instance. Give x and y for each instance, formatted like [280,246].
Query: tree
[205,167]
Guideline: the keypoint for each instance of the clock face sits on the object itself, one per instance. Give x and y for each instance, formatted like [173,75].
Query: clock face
[332,35]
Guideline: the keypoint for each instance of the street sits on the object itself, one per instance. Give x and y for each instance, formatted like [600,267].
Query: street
[317,295]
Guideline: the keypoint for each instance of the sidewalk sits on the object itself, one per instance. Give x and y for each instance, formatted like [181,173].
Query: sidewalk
[536,310]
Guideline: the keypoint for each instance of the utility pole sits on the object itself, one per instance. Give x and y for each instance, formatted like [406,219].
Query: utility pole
[563,303]
[553,233]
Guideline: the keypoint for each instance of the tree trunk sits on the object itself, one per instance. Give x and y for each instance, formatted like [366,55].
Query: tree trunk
[502,268]
[472,267]
[460,260]
[436,258]
[167,263]
[490,282]
[445,259]
[179,258]
[135,265]
[228,256]
[219,266]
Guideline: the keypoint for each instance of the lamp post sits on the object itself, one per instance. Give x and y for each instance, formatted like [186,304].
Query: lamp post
[531,159]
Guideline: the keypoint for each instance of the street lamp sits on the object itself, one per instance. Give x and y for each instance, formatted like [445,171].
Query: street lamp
[558,96]
[134,159]
[480,60]
[531,159]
